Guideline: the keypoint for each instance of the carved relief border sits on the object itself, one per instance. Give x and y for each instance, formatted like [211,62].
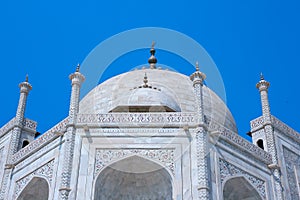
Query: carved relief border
[292,160]
[2,163]
[106,156]
[45,171]
[228,170]
[40,142]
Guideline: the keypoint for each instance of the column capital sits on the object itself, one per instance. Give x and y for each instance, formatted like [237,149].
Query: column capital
[262,85]
[198,77]
[77,77]
[25,86]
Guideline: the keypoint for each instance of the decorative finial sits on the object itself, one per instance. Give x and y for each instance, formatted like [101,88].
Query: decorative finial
[78,67]
[262,84]
[152,60]
[26,78]
[197,75]
[153,44]
[145,81]
[262,76]
[197,66]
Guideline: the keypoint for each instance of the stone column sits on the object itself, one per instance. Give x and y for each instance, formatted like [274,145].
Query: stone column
[25,87]
[263,86]
[199,140]
[68,149]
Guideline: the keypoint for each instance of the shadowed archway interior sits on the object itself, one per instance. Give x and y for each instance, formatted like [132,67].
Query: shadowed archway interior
[239,188]
[133,178]
[37,189]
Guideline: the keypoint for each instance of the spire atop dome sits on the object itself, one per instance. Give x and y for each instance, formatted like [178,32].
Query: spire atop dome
[145,81]
[152,60]
[26,78]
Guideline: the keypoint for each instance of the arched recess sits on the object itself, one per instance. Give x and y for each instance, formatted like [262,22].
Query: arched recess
[36,189]
[133,178]
[260,143]
[239,188]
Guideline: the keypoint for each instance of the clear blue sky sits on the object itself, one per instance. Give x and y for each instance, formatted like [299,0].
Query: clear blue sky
[48,39]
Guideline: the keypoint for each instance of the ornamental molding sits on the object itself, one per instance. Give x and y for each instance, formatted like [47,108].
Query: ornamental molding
[106,157]
[234,141]
[37,144]
[240,152]
[173,119]
[292,161]
[2,161]
[24,162]
[257,123]
[285,129]
[45,171]
[8,126]
[111,132]
[27,124]
[228,171]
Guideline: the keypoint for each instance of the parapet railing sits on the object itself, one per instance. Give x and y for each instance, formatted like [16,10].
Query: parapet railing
[258,123]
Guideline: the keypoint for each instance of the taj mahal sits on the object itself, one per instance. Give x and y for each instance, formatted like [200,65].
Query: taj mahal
[149,134]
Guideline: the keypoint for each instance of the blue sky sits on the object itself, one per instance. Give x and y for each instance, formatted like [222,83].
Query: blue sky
[47,39]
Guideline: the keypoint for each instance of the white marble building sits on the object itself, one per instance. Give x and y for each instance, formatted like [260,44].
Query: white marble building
[149,134]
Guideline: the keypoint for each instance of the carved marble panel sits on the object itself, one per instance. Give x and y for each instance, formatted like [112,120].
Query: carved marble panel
[228,170]
[105,157]
[292,161]
[137,119]
[30,124]
[45,171]
[285,129]
[8,126]
[40,142]
[241,143]
[257,123]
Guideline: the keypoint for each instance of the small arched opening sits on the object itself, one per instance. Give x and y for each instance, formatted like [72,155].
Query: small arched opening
[133,178]
[260,143]
[36,189]
[25,143]
[239,188]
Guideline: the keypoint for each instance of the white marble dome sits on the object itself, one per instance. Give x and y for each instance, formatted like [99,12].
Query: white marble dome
[165,89]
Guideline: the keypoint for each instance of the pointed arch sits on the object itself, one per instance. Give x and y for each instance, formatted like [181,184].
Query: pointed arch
[36,189]
[239,188]
[133,178]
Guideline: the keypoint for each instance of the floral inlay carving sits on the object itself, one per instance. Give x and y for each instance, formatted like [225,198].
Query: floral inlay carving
[106,156]
[228,170]
[45,171]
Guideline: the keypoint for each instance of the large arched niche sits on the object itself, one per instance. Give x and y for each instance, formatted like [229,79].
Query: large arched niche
[36,189]
[133,178]
[239,188]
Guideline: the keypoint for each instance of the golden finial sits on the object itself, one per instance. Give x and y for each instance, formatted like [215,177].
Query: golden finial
[26,78]
[197,66]
[78,67]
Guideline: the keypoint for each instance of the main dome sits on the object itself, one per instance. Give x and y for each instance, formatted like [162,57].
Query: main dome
[164,90]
